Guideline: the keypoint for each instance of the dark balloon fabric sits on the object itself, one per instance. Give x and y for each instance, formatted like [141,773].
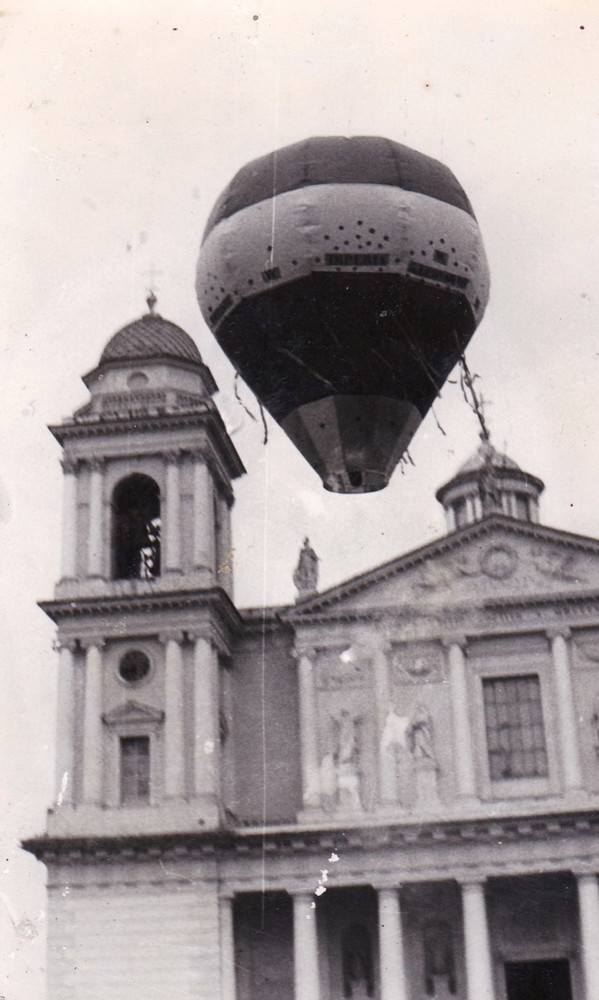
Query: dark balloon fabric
[338,160]
[344,278]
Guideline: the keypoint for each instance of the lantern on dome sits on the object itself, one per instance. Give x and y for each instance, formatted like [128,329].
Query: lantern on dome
[343,278]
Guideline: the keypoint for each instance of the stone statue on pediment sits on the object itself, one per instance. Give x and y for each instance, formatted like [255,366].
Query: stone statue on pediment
[305,576]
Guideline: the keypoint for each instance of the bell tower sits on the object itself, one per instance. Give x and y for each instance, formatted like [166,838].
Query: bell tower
[144,604]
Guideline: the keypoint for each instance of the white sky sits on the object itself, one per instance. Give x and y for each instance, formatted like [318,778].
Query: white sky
[122,122]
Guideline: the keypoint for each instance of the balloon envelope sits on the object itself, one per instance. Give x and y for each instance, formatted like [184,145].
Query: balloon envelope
[344,277]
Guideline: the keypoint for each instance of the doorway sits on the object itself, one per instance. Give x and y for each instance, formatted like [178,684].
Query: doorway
[538,980]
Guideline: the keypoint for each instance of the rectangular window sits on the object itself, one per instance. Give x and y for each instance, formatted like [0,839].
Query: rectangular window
[514,725]
[522,507]
[460,511]
[135,768]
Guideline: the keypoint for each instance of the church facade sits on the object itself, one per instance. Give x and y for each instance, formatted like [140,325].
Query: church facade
[389,789]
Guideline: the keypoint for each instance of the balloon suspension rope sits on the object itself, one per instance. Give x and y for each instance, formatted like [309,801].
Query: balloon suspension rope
[248,411]
[474,400]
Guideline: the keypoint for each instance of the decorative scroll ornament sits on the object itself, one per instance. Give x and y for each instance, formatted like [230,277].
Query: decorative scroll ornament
[557,564]
[417,663]
[499,562]
[336,671]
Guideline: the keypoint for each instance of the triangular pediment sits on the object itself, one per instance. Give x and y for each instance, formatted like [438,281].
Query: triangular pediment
[132,712]
[495,559]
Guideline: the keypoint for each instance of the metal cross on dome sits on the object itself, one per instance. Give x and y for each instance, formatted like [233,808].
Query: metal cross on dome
[152,273]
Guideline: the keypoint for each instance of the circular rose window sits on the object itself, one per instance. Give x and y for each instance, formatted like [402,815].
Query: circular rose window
[134,666]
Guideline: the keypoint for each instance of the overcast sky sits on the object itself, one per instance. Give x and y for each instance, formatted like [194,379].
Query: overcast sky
[122,123]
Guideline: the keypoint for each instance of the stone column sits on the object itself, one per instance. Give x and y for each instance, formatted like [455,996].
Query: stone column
[391,950]
[174,736]
[227,949]
[305,948]
[308,729]
[470,510]
[224,557]
[205,717]
[479,966]
[588,909]
[93,749]
[566,711]
[172,515]
[65,723]
[462,733]
[95,534]
[203,518]
[69,520]
[386,761]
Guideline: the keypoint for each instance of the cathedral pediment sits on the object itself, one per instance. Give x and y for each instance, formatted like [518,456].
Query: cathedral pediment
[497,558]
[132,712]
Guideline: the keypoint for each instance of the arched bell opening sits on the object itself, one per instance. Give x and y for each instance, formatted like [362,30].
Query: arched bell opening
[136,529]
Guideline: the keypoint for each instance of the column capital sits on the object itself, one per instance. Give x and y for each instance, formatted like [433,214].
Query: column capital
[69,466]
[306,894]
[96,464]
[558,631]
[227,895]
[199,455]
[585,873]
[304,652]
[71,644]
[195,634]
[454,640]
[469,882]
[97,642]
[171,635]
[173,456]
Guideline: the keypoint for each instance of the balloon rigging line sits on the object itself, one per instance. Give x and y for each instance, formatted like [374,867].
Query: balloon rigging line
[238,397]
[302,364]
[472,397]
[248,411]
[264,424]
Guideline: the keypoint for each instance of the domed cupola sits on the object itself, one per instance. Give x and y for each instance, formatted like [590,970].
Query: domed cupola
[489,483]
[149,366]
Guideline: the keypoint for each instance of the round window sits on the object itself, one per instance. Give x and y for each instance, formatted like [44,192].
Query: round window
[134,666]
[137,379]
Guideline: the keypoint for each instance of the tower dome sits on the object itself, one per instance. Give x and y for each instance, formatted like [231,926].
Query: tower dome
[489,483]
[148,365]
[150,337]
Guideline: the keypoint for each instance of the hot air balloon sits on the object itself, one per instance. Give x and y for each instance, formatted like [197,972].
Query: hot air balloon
[343,277]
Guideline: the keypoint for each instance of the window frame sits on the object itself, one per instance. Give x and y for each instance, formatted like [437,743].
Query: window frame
[135,800]
[517,725]
[134,719]
[514,663]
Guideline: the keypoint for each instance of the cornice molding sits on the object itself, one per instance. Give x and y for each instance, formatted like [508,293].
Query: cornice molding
[215,599]
[319,603]
[205,414]
[295,840]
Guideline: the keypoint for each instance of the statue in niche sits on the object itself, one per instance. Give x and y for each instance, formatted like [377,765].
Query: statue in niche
[420,736]
[347,760]
[305,576]
[439,961]
[357,964]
